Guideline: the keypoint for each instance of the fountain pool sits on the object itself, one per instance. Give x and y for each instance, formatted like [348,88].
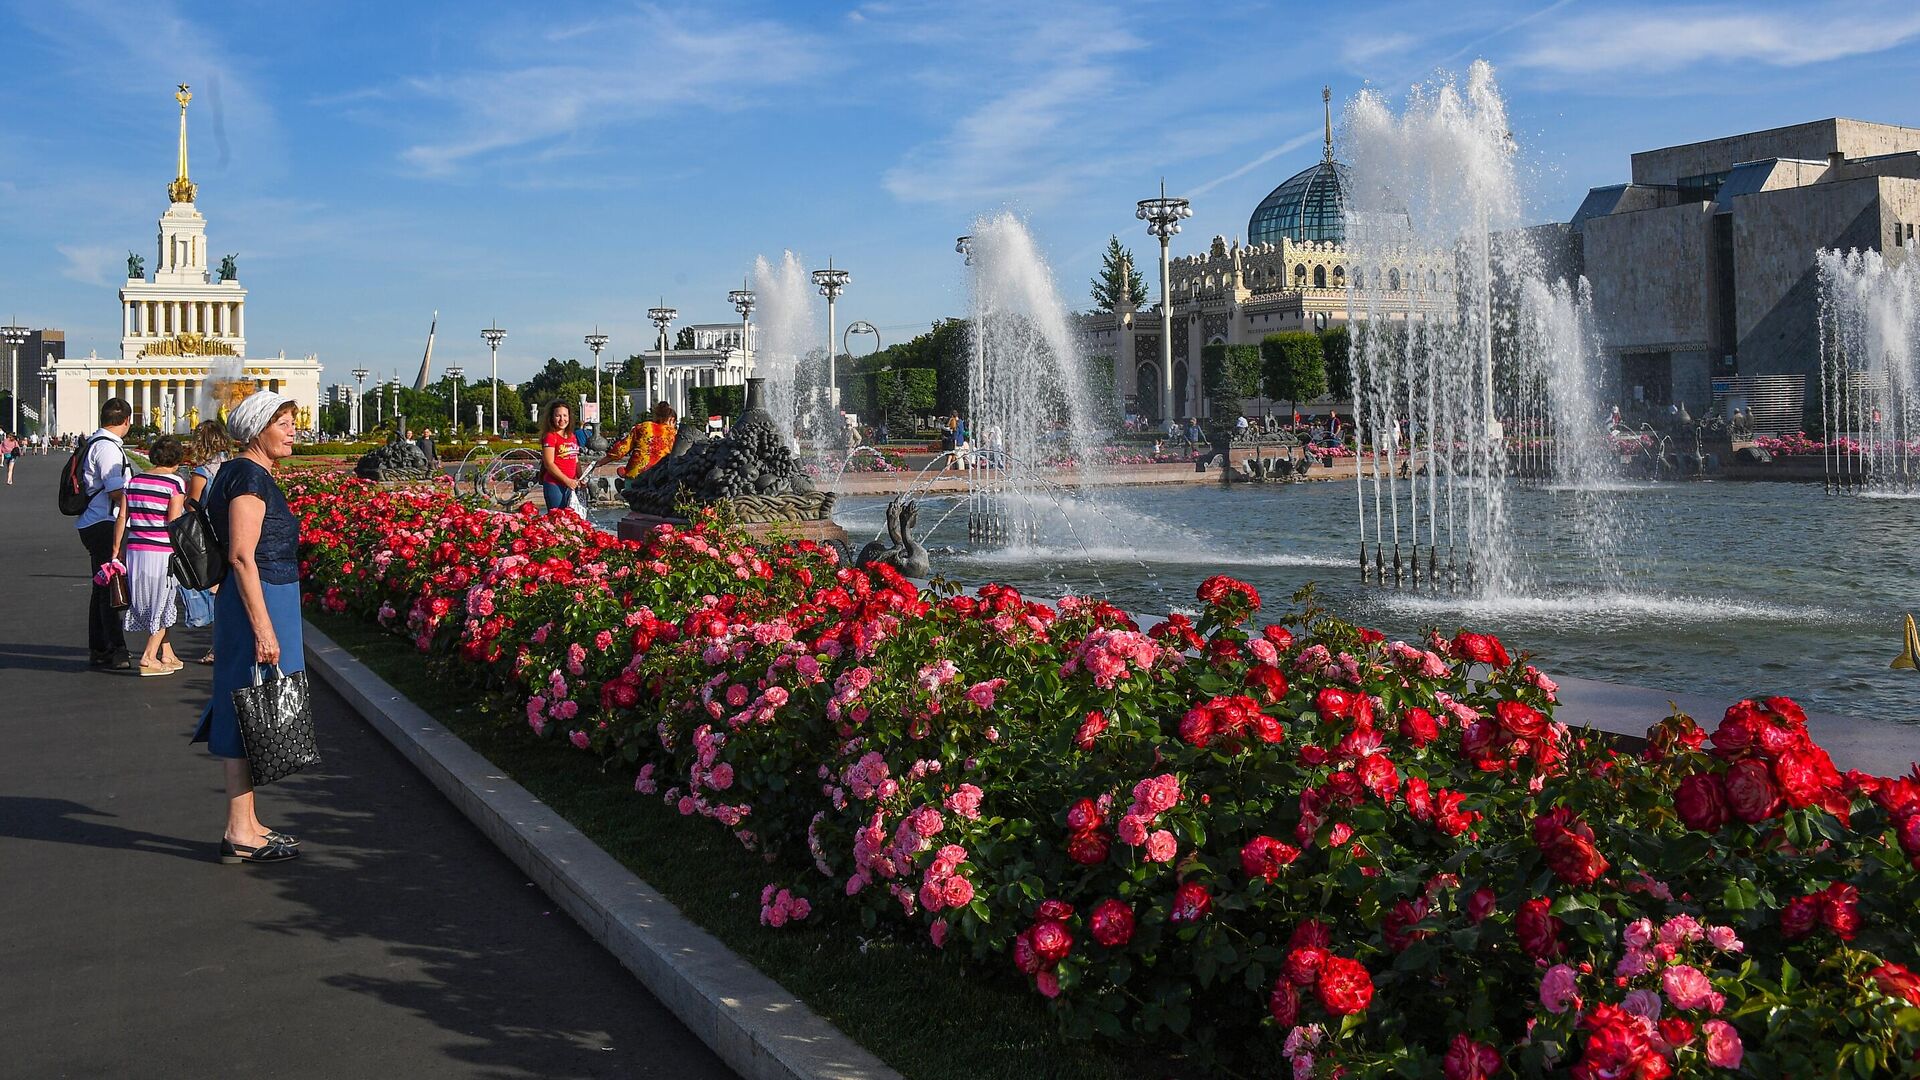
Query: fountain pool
[1727,589]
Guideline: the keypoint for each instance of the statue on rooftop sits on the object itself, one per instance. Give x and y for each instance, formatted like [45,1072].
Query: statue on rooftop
[228,271]
[136,266]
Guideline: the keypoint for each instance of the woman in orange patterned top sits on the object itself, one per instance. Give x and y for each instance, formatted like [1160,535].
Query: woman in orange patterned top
[648,442]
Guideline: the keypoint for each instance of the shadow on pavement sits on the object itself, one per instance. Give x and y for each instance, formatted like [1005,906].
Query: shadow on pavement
[62,821]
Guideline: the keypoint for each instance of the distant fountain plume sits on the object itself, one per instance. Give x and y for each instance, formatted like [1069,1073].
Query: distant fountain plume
[1869,367]
[1027,402]
[1473,367]
[786,341]
[225,386]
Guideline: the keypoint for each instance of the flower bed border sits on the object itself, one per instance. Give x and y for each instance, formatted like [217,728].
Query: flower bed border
[751,1022]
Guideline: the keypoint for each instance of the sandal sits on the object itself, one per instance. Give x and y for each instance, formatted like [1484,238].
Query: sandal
[281,838]
[269,852]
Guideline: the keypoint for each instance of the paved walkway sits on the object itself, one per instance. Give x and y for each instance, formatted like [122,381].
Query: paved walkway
[401,945]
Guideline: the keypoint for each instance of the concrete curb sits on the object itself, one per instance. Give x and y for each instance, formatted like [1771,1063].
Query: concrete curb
[759,1029]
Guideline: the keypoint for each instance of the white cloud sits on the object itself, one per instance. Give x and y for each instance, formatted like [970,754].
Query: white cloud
[1675,38]
[547,88]
[1361,50]
[89,264]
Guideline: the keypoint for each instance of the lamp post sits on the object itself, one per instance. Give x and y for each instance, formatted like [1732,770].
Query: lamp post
[15,336]
[832,283]
[662,317]
[493,336]
[46,383]
[1163,216]
[743,300]
[614,368]
[393,391]
[456,374]
[596,341]
[359,400]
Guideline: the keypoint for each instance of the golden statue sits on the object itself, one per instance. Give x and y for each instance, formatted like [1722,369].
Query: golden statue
[189,343]
[1909,658]
[193,417]
[182,189]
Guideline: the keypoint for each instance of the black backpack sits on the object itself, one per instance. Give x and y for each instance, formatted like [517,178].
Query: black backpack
[199,559]
[73,495]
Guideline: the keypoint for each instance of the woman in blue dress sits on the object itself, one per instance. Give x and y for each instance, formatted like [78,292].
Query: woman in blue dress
[257,610]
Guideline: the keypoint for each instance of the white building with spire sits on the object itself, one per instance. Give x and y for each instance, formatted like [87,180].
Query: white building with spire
[183,334]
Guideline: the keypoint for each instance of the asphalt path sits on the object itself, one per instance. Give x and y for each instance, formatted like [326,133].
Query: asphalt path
[402,943]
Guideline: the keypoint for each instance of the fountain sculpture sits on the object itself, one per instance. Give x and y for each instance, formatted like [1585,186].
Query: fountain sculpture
[1869,364]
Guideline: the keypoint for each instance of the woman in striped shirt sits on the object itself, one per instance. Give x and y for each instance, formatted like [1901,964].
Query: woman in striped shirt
[154,498]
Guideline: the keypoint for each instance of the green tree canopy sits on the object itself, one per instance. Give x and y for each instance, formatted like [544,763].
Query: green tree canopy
[1336,344]
[512,408]
[1295,368]
[1119,279]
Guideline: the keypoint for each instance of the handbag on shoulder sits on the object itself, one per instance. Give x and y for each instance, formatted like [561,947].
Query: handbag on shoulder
[276,725]
[199,559]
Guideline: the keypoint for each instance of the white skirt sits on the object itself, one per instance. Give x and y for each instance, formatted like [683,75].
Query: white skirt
[154,595]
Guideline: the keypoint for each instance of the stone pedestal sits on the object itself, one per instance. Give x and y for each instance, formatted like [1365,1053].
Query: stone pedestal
[637,526]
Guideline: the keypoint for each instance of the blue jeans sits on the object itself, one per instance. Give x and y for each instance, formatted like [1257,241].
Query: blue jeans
[557,495]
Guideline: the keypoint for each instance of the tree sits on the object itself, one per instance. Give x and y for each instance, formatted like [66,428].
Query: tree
[512,409]
[683,339]
[1295,367]
[1228,373]
[1336,344]
[556,373]
[1119,279]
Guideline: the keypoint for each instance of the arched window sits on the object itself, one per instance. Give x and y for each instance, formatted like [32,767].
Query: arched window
[1319,277]
[1432,281]
[1179,388]
[1146,386]
[1300,274]
[1393,280]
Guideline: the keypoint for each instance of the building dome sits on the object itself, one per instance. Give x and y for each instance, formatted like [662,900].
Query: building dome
[1311,205]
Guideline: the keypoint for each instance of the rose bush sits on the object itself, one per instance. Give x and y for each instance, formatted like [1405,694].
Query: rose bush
[1284,846]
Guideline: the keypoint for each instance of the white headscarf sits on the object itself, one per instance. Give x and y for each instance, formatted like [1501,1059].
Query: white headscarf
[248,419]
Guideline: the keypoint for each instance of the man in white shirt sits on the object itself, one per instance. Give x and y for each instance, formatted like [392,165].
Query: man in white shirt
[103,525]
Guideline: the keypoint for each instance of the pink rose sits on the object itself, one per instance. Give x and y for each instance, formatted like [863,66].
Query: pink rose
[1642,1003]
[1161,846]
[938,932]
[578,739]
[1132,830]
[1724,1049]
[1559,988]
[957,891]
[1686,987]
[721,778]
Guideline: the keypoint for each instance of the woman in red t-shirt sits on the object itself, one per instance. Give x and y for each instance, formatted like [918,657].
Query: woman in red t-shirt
[559,457]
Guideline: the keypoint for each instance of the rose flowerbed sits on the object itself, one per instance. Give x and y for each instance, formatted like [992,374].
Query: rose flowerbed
[1295,847]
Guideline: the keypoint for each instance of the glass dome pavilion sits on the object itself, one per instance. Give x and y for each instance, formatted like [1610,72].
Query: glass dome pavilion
[1311,204]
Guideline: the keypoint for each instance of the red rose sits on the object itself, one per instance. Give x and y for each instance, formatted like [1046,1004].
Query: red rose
[1263,857]
[1521,719]
[1090,729]
[1345,987]
[1088,848]
[1419,797]
[1898,982]
[1739,730]
[1379,776]
[1469,1060]
[1191,903]
[1268,730]
[1799,917]
[1284,1003]
[1480,905]
[1280,636]
[1448,817]
[1196,728]
[1479,649]
[1084,814]
[1751,792]
[1024,956]
[1701,802]
[1568,844]
[1310,932]
[1906,829]
[1419,727]
[1370,637]
[1676,1030]
[1267,681]
[1786,709]
[1397,928]
[1304,963]
[1054,909]
[1333,703]
[1803,780]
[1538,931]
[1314,756]
[1840,910]
[1051,940]
[1111,923]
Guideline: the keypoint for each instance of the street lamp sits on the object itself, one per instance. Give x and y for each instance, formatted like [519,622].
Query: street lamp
[662,317]
[832,283]
[614,368]
[861,327]
[14,336]
[1163,216]
[743,300]
[46,383]
[456,374]
[596,341]
[493,336]
[359,399]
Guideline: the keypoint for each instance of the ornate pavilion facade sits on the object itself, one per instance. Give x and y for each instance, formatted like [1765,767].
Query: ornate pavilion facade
[183,334]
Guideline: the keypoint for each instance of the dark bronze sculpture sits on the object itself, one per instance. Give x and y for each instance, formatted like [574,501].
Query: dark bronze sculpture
[751,470]
[228,271]
[906,554]
[400,459]
[136,266]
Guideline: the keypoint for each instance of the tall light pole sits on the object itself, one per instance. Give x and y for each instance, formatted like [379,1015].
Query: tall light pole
[393,391]
[456,374]
[1163,216]
[614,368]
[14,336]
[46,383]
[662,317]
[493,336]
[743,300]
[359,400]
[596,341]
[832,283]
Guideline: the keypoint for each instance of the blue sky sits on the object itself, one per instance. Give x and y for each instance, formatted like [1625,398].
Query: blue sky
[569,165]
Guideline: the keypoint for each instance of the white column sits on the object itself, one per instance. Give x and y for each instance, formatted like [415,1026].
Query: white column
[126,320]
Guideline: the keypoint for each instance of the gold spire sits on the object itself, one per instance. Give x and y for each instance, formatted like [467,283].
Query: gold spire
[1326,105]
[182,189]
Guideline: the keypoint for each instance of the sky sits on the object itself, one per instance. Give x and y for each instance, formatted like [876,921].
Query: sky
[571,166]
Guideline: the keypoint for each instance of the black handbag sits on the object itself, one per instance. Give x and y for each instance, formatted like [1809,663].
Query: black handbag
[276,725]
[199,559]
[118,597]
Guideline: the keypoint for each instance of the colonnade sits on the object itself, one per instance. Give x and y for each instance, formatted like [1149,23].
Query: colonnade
[682,378]
[161,318]
[148,396]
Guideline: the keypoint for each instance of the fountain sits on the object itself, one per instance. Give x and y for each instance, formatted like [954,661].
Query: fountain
[1473,366]
[1869,342]
[786,341]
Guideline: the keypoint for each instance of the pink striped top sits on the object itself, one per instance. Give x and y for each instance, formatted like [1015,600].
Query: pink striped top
[147,498]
